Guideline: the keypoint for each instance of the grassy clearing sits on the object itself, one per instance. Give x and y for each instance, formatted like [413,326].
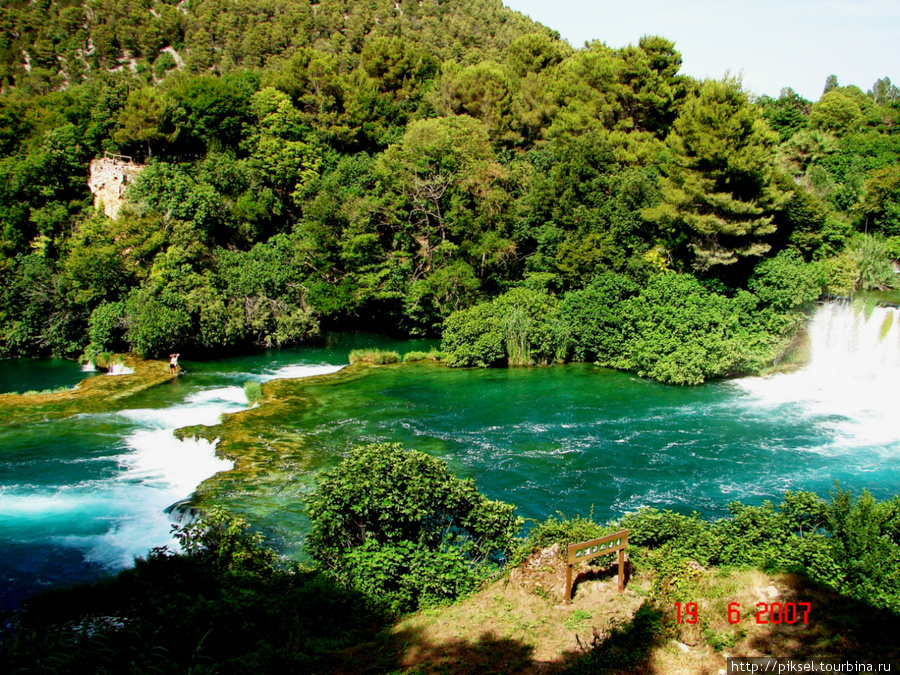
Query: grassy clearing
[519,624]
[376,356]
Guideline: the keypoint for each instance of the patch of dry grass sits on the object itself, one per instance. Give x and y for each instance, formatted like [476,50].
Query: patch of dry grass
[519,624]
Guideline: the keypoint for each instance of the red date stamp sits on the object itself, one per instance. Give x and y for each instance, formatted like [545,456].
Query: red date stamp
[766,612]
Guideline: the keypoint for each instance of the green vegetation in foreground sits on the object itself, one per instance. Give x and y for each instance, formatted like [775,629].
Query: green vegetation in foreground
[227,605]
[397,526]
[94,394]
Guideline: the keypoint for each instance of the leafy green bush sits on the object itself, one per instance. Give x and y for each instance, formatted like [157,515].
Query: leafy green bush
[253,391]
[594,318]
[876,269]
[839,274]
[561,531]
[785,282]
[754,536]
[398,525]
[473,337]
[154,327]
[862,530]
[681,333]
[377,356]
[406,575]
[106,327]
[674,329]
[522,326]
[226,545]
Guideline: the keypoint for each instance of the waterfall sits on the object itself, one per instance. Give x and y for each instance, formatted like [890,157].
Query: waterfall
[850,383]
[851,342]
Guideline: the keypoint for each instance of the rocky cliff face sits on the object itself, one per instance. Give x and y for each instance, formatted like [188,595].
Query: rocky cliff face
[109,179]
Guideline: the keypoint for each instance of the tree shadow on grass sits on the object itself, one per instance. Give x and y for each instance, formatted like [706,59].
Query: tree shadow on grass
[409,651]
[180,614]
[627,646]
[838,626]
[177,614]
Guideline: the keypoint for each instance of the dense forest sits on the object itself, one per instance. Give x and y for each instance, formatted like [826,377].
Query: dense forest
[431,168]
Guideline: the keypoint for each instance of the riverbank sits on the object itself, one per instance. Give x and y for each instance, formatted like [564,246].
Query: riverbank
[101,393]
[234,611]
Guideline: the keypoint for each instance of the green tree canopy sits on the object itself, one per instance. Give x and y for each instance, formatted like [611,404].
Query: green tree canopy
[399,525]
[719,189]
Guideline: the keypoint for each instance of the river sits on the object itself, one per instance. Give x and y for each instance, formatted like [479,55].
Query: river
[82,496]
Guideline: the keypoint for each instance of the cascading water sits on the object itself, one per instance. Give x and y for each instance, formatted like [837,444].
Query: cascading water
[85,495]
[852,376]
[848,341]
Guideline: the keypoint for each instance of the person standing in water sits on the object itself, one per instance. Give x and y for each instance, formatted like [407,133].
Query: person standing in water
[173,363]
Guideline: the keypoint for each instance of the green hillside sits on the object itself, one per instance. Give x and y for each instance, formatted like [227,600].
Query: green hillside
[425,168]
[46,45]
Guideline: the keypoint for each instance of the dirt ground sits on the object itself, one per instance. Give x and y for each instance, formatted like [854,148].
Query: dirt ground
[521,624]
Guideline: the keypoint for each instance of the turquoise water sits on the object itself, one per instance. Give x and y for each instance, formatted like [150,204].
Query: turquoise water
[579,440]
[81,496]
[21,375]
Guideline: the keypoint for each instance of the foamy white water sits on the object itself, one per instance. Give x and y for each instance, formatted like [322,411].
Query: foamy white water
[94,491]
[157,470]
[120,369]
[851,381]
[299,370]
[129,510]
[160,470]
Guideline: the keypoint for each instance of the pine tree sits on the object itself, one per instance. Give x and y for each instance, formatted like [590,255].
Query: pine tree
[718,186]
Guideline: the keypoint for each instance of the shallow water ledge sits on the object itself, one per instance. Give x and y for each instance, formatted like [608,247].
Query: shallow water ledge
[258,437]
[95,394]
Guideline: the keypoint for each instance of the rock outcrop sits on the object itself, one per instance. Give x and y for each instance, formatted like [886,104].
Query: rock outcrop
[110,176]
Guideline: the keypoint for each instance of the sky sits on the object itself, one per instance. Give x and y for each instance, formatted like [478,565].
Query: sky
[770,44]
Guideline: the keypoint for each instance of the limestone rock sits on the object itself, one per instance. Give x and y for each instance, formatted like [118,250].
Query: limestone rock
[547,558]
[110,176]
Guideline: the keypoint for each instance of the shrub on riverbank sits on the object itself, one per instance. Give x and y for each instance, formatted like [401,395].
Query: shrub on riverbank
[376,356]
[398,526]
[520,328]
[674,329]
